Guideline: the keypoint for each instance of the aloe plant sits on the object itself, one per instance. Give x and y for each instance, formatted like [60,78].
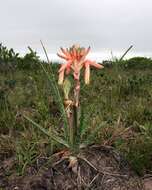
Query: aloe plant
[74,123]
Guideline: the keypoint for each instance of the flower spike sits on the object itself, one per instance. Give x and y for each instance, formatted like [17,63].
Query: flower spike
[76,60]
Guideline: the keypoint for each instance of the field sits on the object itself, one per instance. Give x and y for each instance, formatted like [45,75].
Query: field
[117,105]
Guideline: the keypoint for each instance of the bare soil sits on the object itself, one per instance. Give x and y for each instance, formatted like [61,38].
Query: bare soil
[93,168]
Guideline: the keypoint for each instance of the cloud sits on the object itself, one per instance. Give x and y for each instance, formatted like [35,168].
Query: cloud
[103,24]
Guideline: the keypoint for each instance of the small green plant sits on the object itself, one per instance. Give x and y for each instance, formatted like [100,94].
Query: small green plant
[26,154]
[139,154]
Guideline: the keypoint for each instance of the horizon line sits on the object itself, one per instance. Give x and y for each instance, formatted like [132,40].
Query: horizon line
[106,55]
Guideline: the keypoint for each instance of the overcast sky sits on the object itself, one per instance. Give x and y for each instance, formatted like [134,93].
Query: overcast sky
[104,24]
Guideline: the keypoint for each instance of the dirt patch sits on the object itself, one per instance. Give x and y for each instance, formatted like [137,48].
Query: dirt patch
[94,168]
[147,181]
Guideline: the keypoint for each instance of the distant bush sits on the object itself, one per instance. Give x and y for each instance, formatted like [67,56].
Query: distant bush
[30,61]
[132,63]
[10,61]
[138,63]
[8,58]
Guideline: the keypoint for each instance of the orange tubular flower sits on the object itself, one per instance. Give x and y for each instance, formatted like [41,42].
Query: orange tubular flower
[75,61]
[89,63]
[65,68]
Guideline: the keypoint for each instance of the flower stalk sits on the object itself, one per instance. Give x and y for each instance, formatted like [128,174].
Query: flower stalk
[75,58]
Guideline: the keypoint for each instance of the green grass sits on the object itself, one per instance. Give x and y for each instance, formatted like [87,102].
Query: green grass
[117,105]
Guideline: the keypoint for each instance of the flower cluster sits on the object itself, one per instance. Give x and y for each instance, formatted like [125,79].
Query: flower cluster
[76,60]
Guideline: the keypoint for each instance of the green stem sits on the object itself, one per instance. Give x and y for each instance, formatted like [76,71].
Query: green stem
[72,111]
[76,110]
